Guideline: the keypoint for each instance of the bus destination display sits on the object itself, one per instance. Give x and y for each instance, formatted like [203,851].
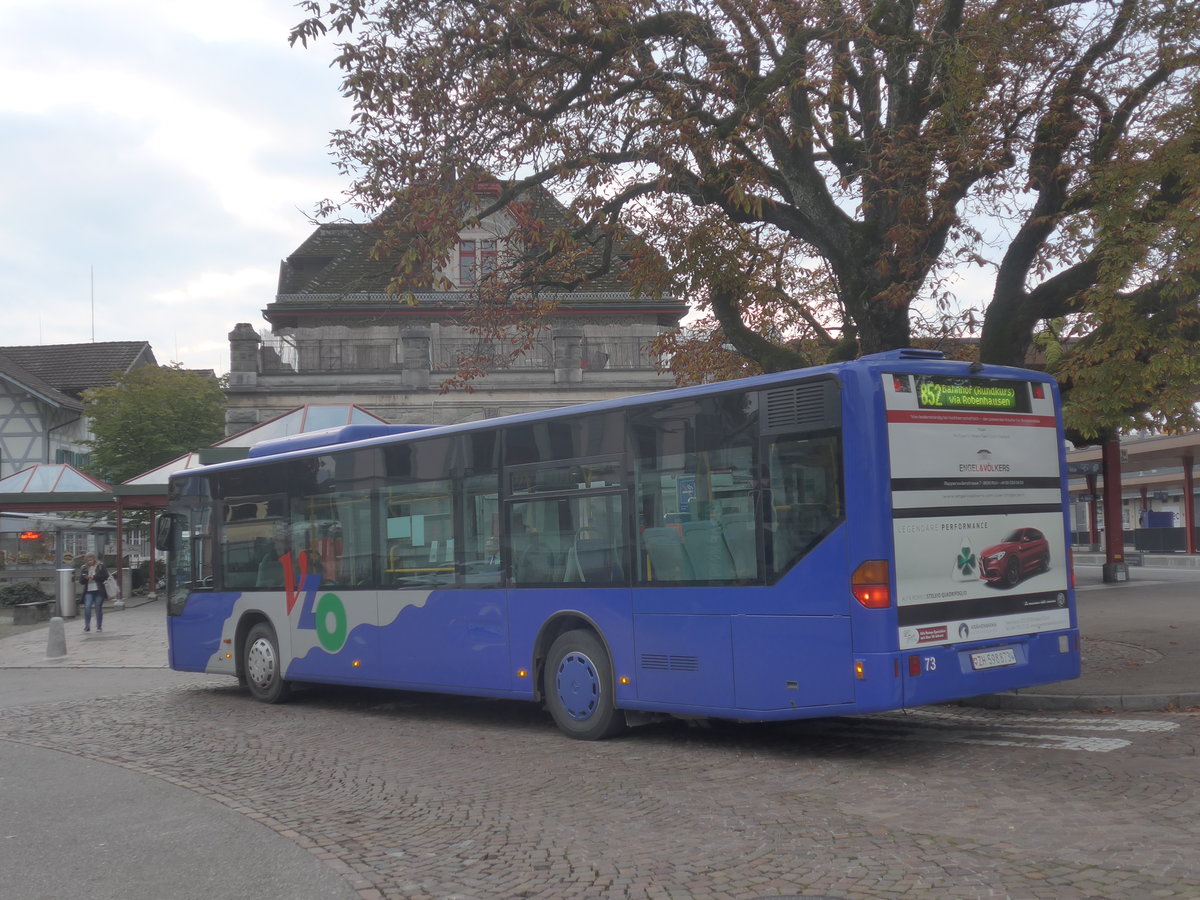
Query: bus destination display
[963,393]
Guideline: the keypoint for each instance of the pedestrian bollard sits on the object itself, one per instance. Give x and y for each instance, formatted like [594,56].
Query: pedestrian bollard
[56,645]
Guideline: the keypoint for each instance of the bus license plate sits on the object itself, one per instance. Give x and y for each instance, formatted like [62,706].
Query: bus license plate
[992,659]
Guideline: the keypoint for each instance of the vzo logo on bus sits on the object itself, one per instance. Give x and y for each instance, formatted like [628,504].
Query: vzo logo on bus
[326,616]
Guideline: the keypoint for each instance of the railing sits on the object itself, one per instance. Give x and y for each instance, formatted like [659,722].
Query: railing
[617,353]
[448,352]
[333,355]
[380,356]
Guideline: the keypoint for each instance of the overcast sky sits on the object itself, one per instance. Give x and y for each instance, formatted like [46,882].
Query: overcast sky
[157,160]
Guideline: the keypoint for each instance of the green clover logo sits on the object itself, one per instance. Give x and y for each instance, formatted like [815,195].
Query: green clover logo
[966,561]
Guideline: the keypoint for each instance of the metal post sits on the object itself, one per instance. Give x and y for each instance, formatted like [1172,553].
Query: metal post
[1093,513]
[119,603]
[1189,503]
[1115,568]
[153,585]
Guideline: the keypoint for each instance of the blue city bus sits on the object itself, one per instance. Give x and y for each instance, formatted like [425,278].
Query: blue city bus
[867,536]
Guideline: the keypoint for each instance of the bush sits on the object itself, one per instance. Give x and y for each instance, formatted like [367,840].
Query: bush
[22,592]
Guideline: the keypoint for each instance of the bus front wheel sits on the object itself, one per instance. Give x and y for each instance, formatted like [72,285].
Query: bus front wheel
[261,665]
[579,687]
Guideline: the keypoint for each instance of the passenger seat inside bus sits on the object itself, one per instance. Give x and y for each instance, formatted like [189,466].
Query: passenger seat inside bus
[668,560]
[270,572]
[538,564]
[593,560]
[706,550]
[739,532]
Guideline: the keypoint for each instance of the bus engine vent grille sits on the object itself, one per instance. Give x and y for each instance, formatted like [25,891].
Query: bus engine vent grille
[801,407]
[666,662]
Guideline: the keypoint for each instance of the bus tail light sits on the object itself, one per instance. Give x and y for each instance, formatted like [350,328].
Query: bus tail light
[869,584]
[914,665]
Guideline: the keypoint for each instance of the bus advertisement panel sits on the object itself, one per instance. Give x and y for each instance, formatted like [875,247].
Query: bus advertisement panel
[977,509]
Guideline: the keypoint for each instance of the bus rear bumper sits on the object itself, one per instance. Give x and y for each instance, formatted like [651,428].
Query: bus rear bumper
[955,672]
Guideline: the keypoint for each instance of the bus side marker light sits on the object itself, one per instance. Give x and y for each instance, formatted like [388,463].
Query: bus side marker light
[229,656]
[624,681]
[522,673]
[869,584]
[914,665]
[860,669]
[356,663]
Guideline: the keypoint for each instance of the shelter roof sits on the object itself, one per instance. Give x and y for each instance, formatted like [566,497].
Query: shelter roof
[51,478]
[1149,462]
[53,486]
[313,417]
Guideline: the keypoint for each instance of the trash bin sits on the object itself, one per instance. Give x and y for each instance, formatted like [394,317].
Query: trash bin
[67,604]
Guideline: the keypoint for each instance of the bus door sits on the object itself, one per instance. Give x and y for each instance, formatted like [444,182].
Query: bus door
[565,529]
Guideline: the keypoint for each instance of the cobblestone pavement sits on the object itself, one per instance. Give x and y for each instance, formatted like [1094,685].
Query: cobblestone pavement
[415,796]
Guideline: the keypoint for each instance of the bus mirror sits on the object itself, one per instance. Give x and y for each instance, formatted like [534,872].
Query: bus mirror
[164,529]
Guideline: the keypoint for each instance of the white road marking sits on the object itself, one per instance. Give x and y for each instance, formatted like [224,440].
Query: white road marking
[1100,723]
[1040,732]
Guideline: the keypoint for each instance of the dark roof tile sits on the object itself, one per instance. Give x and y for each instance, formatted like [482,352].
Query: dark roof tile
[15,373]
[335,260]
[73,368]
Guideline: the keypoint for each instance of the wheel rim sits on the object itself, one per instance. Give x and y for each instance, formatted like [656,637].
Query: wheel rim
[578,686]
[260,663]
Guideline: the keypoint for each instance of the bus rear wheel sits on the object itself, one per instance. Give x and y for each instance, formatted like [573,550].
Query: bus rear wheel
[261,665]
[578,686]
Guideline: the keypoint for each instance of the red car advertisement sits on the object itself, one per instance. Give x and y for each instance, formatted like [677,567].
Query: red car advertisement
[1024,551]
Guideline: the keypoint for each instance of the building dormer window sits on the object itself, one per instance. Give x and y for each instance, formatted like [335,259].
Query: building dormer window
[476,260]
[487,258]
[466,262]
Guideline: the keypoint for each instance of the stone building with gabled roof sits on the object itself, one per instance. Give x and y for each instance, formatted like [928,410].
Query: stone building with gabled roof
[339,331]
[41,410]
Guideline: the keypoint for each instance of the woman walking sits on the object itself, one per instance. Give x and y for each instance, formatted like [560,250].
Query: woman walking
[92,577]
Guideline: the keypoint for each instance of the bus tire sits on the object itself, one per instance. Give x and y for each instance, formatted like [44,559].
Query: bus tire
[261,665]
[579,689]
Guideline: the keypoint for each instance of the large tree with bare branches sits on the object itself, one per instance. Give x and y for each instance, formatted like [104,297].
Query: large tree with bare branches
[818,176]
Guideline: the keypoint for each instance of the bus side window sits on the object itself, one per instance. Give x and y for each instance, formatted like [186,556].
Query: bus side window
[806,495]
